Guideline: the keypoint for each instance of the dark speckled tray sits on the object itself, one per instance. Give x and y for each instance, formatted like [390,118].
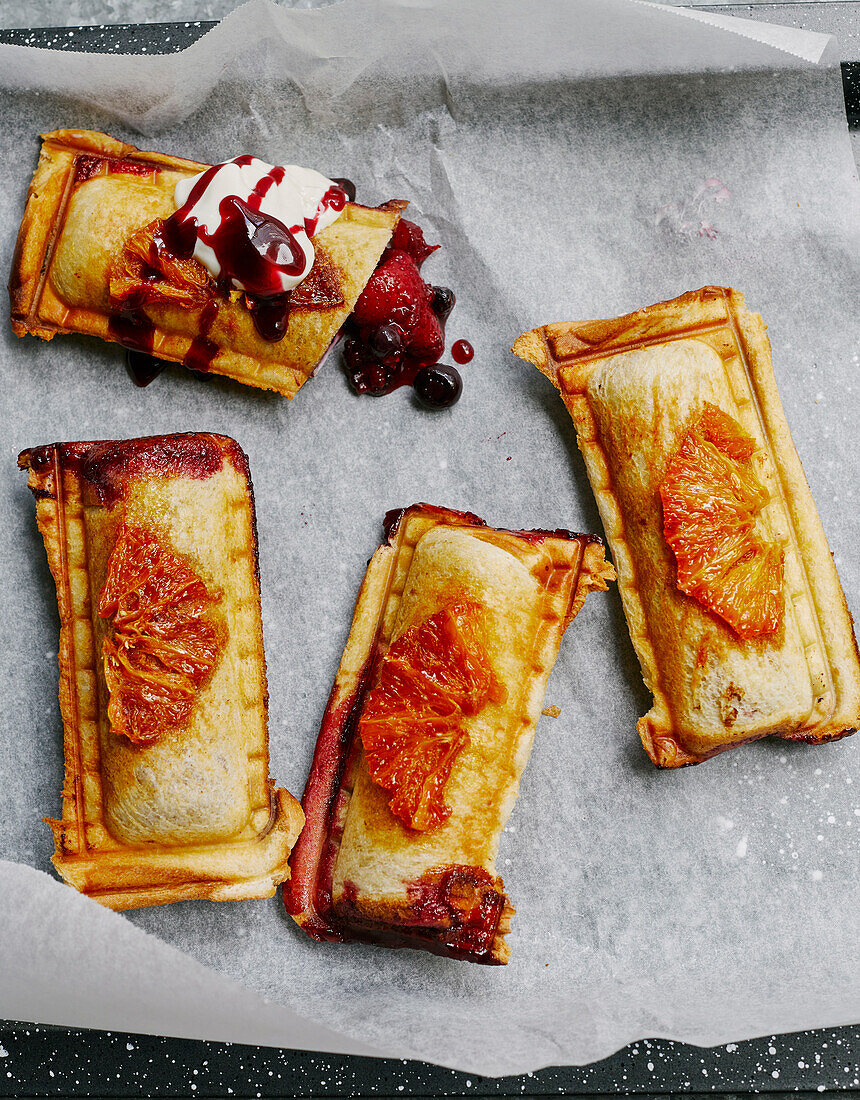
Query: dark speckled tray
[54,1061]
[172,37]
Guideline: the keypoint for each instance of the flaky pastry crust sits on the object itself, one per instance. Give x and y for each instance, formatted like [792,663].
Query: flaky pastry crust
[358,872]
[91,193]
[193,814]
[633,385]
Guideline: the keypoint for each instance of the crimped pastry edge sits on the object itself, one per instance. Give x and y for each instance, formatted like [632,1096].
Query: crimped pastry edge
[585,343]
[336,746]
[120,876]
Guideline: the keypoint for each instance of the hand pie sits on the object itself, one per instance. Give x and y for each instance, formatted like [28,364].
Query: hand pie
[93,256]
[729,588]
[167,796]
[428,730]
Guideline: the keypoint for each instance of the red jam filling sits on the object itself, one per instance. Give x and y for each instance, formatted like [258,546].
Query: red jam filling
[453,911]
[466,901]
[88,165]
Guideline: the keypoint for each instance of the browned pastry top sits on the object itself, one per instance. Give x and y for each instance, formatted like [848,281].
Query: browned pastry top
[89,259]
[636,386]
[152,543]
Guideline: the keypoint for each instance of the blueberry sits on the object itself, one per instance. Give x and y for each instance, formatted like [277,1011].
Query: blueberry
[443,302]
[355,354]
[386,342]
[438,387]
[345,185]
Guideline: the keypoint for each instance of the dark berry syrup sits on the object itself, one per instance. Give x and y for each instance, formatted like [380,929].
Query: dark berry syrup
[251,246]
[462,352]
[396,333]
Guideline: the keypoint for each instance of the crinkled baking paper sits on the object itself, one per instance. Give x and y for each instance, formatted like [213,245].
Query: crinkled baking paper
[575,160]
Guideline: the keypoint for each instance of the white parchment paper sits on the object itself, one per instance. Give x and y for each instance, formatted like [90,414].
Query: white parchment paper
[576,160]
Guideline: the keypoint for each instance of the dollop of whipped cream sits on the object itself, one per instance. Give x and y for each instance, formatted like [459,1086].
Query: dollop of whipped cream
[251,223]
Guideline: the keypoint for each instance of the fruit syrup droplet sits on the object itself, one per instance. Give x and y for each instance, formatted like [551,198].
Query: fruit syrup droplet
[462,352]
[131,328]
[199,356]
[271,315]
[143,367]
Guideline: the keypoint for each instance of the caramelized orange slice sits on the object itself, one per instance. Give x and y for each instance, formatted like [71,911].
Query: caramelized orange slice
[711,497]
[164,644]
[433,676]
[146,271]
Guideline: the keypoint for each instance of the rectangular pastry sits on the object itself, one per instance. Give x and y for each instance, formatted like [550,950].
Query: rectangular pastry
[428,730]
[153,547]
[103,250]
[731,595]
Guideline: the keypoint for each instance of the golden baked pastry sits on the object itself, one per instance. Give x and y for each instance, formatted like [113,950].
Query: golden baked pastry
[731,595]
[86,261]
[428,729]
[167,796]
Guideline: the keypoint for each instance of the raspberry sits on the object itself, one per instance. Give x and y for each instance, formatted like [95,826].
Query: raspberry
[394,293]
[409,238]
[426,342]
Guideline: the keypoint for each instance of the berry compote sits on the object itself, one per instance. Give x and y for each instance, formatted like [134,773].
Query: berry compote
[396,333]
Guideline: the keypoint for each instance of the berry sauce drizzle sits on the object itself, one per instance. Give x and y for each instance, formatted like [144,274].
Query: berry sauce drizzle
[143,368]
[131,327]
[252,247]
[396,334]
[203,350]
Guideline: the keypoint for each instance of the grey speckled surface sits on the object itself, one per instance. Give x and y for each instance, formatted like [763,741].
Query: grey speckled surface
[838,17]
[72,13]
[38,1061]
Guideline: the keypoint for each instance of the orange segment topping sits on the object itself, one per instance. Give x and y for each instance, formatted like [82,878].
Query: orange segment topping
[711,497]
[146,271]
[433,676]
[164,645]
